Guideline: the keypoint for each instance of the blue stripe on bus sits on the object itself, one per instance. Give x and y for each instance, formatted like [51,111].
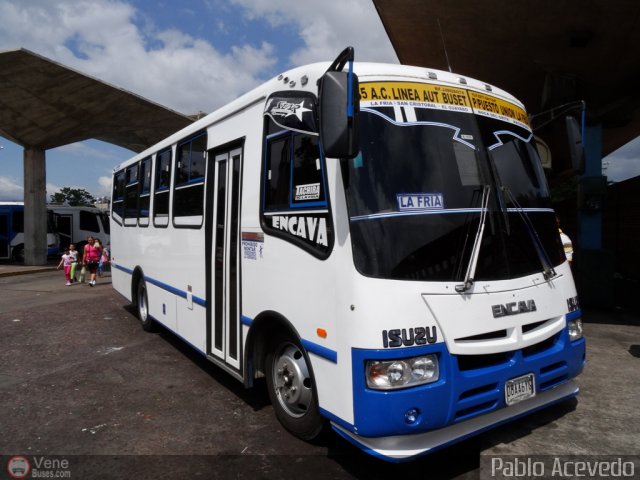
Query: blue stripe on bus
[124,269]
[176,291]
[319,350]
[311,347]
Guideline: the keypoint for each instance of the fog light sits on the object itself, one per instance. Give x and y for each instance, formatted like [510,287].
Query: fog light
[575,329]
[411,416]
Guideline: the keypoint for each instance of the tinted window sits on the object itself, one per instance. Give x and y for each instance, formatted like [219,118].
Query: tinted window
[278,173]
[188,194]
[295,203]
[89,221]
[117,205]
[144,199]
[162,183]
[18,221]
[131,196]
[293,171]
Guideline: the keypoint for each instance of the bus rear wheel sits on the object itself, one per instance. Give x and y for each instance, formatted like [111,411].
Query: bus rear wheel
[291,389]
[143,306]
[17,254]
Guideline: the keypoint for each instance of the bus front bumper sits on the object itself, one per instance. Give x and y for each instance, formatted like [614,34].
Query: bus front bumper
[405,447]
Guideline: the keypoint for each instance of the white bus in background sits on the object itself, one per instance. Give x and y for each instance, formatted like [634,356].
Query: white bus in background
[12,232]
[75,223]
[381,247]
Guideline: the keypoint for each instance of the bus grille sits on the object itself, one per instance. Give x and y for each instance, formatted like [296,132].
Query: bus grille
[475,398]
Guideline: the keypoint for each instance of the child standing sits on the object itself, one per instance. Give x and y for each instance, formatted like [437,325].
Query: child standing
[74,261]
[66,263]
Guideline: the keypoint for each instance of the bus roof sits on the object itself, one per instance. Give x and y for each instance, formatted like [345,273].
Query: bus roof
[306,77]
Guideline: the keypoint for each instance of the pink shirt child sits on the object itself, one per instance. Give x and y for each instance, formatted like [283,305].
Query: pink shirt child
[66,263]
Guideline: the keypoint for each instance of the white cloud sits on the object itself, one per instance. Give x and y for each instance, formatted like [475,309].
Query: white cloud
[84,150]
[115,42]
[102,38]
[53,188]
[10,190]
[105,187]
[327,27]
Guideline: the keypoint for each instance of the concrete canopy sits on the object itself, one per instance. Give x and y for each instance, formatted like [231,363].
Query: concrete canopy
[45,105]
[545,53]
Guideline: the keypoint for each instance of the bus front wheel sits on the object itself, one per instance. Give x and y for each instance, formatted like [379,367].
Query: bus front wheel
[143,306]
[290,385]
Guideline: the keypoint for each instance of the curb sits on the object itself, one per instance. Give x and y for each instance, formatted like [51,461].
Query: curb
[25,272]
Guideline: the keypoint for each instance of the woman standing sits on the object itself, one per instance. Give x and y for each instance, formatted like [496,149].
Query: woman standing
[91,257]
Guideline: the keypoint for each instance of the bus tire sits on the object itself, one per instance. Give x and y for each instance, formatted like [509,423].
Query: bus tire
[17,254]
[291,389]
[142,303]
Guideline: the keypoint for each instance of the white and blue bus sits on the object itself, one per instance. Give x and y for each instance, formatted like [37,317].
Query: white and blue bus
[380,246]
[12,232]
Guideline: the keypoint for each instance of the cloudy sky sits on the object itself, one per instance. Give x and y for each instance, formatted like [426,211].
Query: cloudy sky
[190,55]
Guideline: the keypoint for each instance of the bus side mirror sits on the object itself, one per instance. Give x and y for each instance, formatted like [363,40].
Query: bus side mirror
[338,114]
[576,149]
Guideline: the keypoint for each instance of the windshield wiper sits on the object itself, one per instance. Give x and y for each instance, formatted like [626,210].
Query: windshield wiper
[548,271]
[475,251]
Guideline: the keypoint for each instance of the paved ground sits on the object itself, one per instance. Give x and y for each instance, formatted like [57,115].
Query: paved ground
[80,379]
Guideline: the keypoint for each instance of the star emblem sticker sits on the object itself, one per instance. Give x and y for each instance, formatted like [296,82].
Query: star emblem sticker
[301,109]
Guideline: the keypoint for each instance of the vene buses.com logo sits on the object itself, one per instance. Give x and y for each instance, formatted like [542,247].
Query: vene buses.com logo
[18,467]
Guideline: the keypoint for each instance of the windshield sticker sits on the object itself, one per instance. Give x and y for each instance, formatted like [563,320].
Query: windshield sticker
[310,191]
[293,111]
[420,201]
[422,95]
[490,106]
[441,97]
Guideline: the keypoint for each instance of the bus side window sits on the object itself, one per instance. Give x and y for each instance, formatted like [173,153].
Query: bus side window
[295,204]
[308,183]
[131,196]
[144,199]
[117,205]
[278,173]
[89,221]
[161,190]
[188,190]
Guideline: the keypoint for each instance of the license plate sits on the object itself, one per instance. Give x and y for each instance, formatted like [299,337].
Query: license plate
[521,388]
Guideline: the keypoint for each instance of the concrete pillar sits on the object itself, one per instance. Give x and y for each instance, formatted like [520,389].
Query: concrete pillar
[591,191]
[594,265]
[35,207]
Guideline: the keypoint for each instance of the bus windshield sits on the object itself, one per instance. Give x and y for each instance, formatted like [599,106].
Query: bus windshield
[414,196]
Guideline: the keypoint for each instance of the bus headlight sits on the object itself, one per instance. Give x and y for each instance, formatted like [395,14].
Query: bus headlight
[575,329]
[408,372]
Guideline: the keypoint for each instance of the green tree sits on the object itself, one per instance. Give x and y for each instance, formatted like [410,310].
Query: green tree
[73,196]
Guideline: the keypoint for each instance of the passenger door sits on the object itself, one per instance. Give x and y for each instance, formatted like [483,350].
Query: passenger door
[64,225]
[223,265]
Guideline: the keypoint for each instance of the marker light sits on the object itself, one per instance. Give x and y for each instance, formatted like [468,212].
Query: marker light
[408,372]
[575,329]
